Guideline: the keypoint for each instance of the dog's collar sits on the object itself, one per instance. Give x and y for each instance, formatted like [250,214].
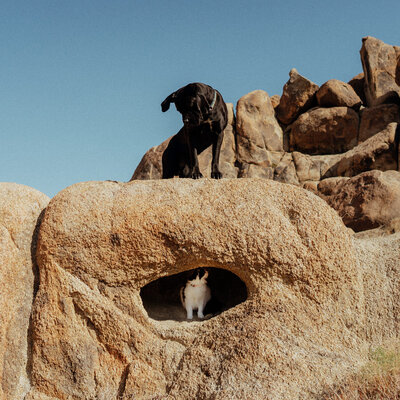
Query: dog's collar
[213,101]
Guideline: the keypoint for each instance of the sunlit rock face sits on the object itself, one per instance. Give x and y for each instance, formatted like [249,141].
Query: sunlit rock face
[20,209]
[101,243]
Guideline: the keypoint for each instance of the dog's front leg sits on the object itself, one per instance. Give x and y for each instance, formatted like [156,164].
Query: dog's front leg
[216,150]
[194,162]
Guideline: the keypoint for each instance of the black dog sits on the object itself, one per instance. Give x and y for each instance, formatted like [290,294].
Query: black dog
[205,117]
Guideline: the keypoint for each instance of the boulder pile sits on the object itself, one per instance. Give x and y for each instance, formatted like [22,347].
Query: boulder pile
[303,324]
[311,133]
[90,280]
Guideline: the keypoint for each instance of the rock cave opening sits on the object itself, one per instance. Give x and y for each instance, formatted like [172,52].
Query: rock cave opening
[161,298]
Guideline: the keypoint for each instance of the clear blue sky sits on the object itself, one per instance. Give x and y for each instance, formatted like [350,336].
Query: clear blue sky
[82,80]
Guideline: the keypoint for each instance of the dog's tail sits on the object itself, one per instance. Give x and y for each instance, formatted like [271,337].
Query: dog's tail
[165,104]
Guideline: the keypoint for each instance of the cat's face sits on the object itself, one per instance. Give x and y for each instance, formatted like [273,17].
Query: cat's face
[198,277]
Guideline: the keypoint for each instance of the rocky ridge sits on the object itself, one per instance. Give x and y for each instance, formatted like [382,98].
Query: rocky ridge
[74,320]
[311,133]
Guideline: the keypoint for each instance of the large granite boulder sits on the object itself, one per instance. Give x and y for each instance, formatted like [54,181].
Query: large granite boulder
[379,63]
[300,328]
[335,93]
[20,208]
[379,258]
[368,200]
[325,131]
[298,96]
[257,129]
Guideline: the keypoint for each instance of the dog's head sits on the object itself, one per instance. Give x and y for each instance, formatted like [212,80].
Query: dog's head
[192,101]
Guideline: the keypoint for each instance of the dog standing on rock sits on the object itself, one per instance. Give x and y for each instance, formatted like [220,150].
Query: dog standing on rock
[205,117]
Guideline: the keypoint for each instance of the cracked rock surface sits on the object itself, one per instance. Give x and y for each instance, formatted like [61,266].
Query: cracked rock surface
[20,208]
[101,242]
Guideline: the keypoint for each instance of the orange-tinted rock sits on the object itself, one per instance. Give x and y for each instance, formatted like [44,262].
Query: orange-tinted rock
[379,64]
[325,131]
[335,93]
[368,200]
[375,119]
[256,125]
[378,152]
[298,96]
[275,99]
[358,83]
[20,208]
[101,242]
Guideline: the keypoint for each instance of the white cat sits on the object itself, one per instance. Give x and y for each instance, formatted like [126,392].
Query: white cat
[196,293]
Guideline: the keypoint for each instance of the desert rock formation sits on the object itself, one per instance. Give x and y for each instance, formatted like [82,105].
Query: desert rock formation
[20,208]
[335,130]
[100,243]
[84,314]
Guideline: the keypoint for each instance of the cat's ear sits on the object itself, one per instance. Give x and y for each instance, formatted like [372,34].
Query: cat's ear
[205,274]
[191,275]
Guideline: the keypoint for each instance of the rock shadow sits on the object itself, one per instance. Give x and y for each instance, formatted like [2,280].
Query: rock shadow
[161,298]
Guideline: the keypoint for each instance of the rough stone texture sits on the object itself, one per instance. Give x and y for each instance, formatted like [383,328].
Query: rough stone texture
[255,171]
[307,168]
[379,259]
[311,168]
[275,99]
[258,131]
[358,84]
[20,207]
[285,171]
[335,93]
[368,200]
[379,64]
[150,167]
[325,131]
[375,119]
[330,186]
[301,328]
[398,71]
[378,152]
[298,96]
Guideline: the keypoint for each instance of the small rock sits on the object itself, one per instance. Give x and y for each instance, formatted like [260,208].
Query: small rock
[335,93]
[298,96]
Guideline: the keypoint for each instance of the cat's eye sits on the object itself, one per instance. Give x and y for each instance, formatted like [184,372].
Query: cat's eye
[161,298]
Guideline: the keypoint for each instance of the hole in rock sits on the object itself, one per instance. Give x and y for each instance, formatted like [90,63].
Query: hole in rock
[161,298]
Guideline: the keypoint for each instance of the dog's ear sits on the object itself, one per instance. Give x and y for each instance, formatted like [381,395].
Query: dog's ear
[165,104]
